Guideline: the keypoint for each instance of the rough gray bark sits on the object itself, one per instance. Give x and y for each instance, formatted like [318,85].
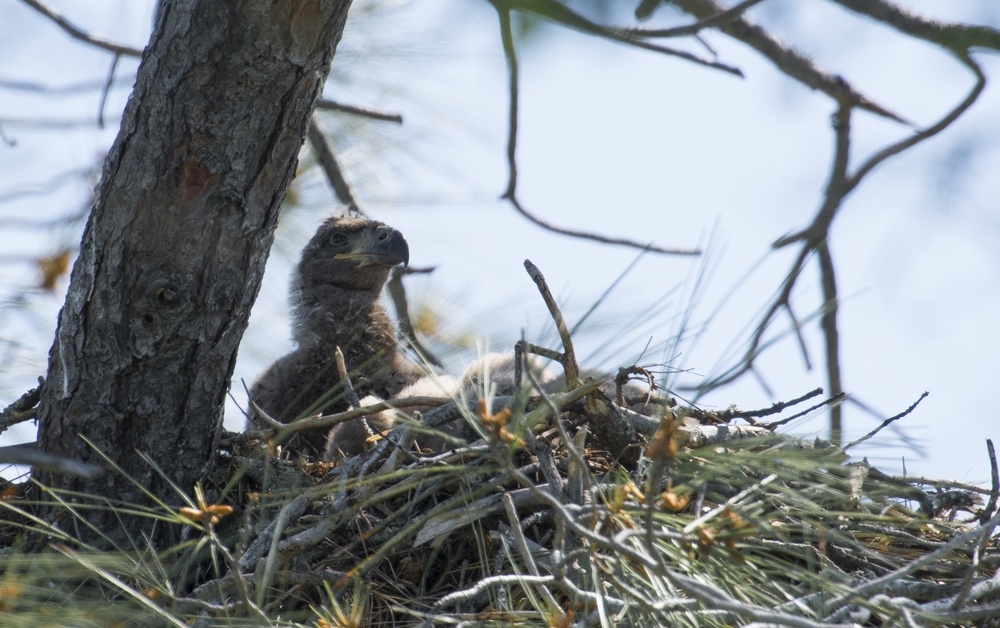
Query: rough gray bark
[174,250]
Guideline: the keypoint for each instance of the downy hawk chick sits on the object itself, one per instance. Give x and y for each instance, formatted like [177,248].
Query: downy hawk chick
[335,303]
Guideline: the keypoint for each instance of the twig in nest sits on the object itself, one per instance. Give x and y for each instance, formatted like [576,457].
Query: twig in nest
[397,292]
[24,409]
[263,420]
[352,396]
[831,400]
[520,348]
[991,505]
[732,413]
[329,420]
[522,548]
[568,357]
[980,548]
[623,377]
[887,422]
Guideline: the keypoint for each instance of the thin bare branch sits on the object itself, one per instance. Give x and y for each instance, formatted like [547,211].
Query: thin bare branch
[107,88]
[22,409]
[834,400]
[596,237]
[887,422]
[757,345]
[831,338]
[397,292]
[561,14]
[345,377]
[696,27]
[78,33]
[328,161]
[931,131]
[29,455]
[789,61]
[32,86]
[507,37]
[510,54]
[991,505]
[958,38]
[568,358]
[365,112]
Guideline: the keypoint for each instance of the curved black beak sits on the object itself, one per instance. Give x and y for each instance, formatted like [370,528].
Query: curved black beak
[389,248]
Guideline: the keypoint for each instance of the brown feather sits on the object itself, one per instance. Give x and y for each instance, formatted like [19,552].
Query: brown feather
[335,303]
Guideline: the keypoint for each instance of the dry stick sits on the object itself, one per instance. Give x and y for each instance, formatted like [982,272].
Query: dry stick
[878,585]
[992,503]
[329,420]
[328,161]
[581,477]
[352,396]
[106,89]
[77,33]
[984,516]
[829,400]
[507,37]
[820,226]
[367,112]
[727,415]
[397,292]
[782,300]
[23,409]
[623,377]
[831,338]
[931,131]
[691,29]
[786,59]
[29,455]
[887,422]
[561,14]
[956,37]
[568,358]
[525,552]
[815,235]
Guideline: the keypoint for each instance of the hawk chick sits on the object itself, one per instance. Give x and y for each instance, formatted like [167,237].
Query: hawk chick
[335,303]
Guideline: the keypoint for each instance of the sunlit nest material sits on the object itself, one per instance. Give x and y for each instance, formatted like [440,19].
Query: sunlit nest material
[535,512]
[547,497]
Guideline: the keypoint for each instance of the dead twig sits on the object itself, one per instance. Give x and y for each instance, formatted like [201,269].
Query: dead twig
[829,401]
[991,505]
[559,13]
[696,27]
[328,162]
[397,293]
[345,378]
[959,38]
[507,38]
[23,409]
[79,34]
[568,356]
[887,422]
[365,112]
[733,413]
[787,60]
[29,455]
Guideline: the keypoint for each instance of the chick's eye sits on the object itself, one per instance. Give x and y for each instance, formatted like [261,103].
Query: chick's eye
[338,239]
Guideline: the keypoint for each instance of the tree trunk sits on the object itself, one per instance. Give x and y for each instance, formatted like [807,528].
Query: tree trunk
[174,250]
